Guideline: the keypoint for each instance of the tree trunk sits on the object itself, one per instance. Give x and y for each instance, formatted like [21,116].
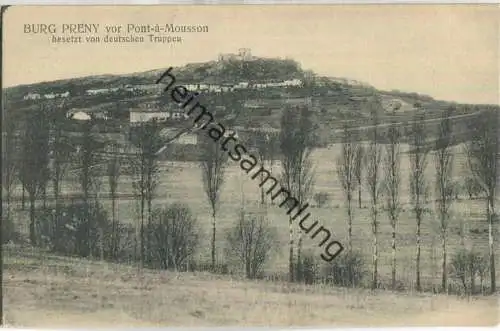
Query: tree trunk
[375,253]
[32,220]
[101,243]
[444,279]
[213,239]
[114,245]
[349,225]
[262,189]
[491,214]
[150,220]
[359,194]
[418,285]
[290,256]
[44,197]
[57,216]
[141,235]
[23,198]
[393,247]
[7,200]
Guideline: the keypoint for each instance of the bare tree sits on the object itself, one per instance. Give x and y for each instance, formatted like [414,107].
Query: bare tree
[358,169]
[35,173]
[418,185]
[113,172]
[296,141]
[61,152]
[251,240]
[482,152]
[88,176]
[145,170]
[174,237]
[213,166]
[263,149]
[445,185]
[392,181]
[346,172]
[373,183]
[9,160]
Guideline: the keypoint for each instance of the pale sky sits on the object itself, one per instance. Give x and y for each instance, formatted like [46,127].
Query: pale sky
[450,52]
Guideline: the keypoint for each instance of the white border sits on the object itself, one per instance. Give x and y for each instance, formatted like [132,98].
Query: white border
[236,2]
[261,2]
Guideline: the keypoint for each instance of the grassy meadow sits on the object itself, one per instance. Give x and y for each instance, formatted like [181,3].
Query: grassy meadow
[181,182]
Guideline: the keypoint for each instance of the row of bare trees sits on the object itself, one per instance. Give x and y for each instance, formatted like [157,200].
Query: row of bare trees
[43,152]
[381,163]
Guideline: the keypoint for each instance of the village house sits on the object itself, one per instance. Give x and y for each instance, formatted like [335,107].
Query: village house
[80,116]
[138,117]
[50,96]
[227,87]
[293,82]
[230,132]
[192,87]
[241,85]
[32,96]
[104,115]
[148,88]
[97,92]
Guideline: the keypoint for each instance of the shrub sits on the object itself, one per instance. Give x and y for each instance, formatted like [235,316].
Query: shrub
[472,187]
[75,229]
[346,270]
[466,266]
[321,198]
[171,237]
[250,241]
[8,231]
[307,269]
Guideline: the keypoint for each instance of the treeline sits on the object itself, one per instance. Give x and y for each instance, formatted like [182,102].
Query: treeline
[38,154]
[376,167]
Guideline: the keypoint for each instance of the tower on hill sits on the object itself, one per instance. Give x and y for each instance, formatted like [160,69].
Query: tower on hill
[244,54]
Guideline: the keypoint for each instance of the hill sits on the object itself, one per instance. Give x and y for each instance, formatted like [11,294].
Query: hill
[334,100]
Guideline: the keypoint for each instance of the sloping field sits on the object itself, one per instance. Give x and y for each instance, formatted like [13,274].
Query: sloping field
[42,290]
[181,182]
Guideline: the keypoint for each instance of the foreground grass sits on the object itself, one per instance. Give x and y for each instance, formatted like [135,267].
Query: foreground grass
[43,290]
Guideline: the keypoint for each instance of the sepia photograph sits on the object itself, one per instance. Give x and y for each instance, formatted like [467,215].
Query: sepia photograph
[250,165]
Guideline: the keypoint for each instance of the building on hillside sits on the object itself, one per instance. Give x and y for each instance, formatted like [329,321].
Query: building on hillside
[80,116]
[32,96]
[192,87]
[293,82]
[148,87]
[227,87]
[102,115]
[137,117]
[50,96]
[97,91]
[244,54]
[187,139]
[231,132]
[241,85]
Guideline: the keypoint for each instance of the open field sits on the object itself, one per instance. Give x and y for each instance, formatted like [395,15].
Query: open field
[42,290]
[181,182]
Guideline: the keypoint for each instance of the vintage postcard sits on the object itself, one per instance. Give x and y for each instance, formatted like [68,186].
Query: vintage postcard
[263,165]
